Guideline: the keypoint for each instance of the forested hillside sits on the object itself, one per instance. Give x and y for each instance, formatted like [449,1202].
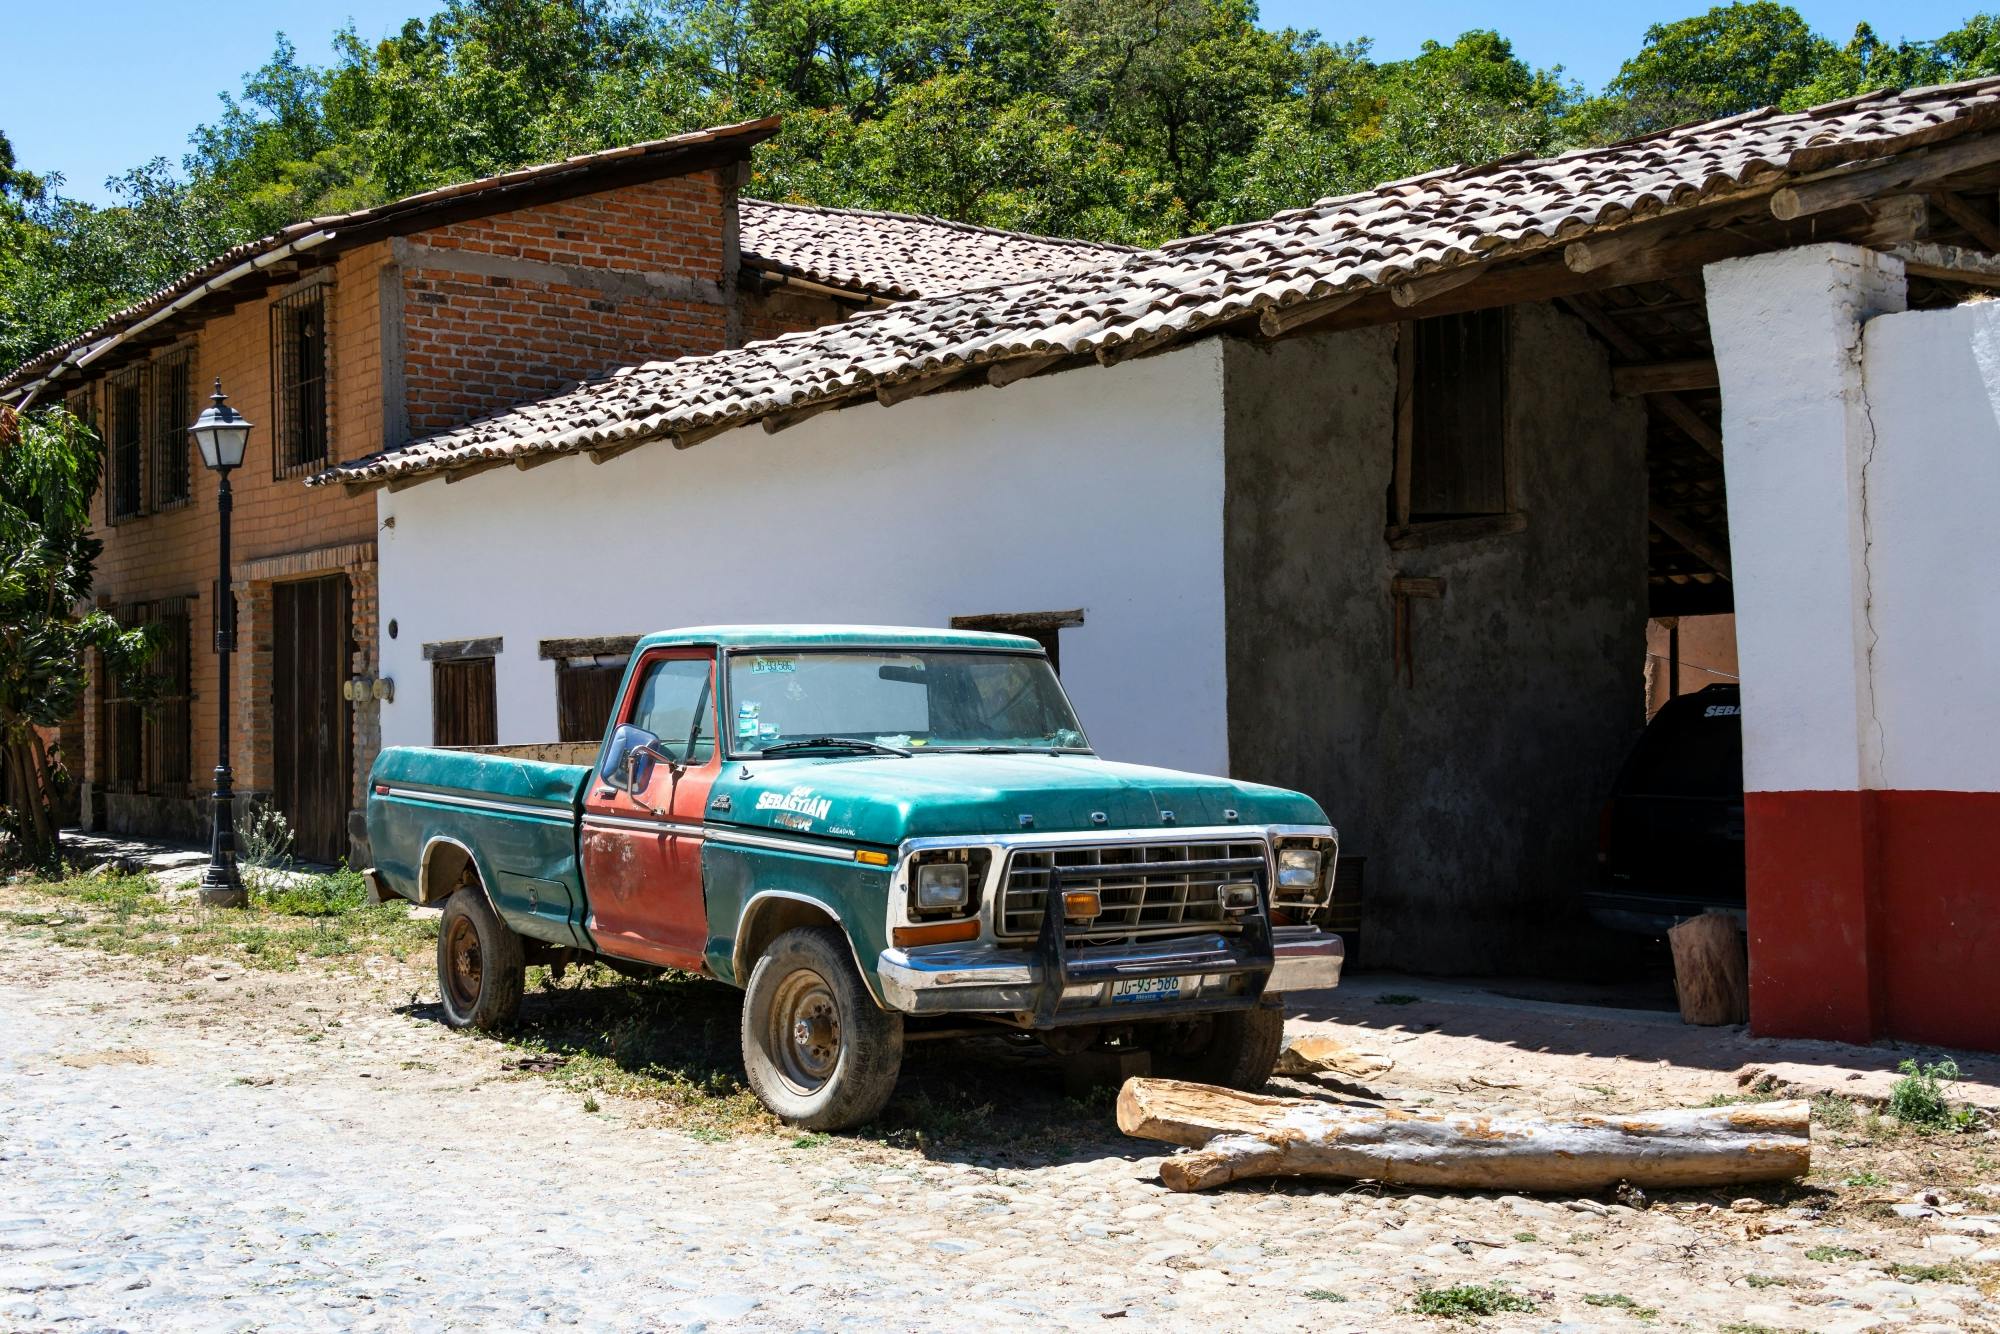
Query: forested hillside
[1126,120]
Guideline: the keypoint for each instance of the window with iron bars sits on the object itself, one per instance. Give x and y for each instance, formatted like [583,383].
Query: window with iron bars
[172,414]
[298,381]
[82,405]
[148,743]
[124,444]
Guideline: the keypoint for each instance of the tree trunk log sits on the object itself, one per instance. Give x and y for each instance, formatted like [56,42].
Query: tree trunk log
[1711,972]
[1240,1135]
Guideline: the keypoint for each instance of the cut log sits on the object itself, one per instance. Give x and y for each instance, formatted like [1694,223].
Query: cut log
[1711,971]
[1238,1135]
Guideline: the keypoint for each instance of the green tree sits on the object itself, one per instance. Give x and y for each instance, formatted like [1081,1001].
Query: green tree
[48,473]
[1734,58]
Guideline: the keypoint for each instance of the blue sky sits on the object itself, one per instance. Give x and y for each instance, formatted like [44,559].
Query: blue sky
[92,87]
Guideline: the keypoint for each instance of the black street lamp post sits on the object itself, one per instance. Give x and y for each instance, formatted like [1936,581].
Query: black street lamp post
[221,434]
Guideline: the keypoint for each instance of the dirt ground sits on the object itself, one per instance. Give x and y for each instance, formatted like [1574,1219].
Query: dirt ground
[186,1142]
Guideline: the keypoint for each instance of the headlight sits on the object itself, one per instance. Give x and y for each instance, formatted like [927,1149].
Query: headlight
[1298,868]
[943,886]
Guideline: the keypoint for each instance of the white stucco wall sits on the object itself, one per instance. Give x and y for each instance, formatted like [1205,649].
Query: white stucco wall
[1863,456]
[1787,333]
[1098,488]
[1933,554]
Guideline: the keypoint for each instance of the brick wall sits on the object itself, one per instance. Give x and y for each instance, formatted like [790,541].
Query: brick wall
[503,309]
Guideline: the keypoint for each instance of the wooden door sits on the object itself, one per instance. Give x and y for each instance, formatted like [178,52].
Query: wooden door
[312,779]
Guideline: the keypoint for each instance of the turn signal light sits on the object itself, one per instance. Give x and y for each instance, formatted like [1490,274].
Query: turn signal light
[870,857]
[1082,905]
[937,934]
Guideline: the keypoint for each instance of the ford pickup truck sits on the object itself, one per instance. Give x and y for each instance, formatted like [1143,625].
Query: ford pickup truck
[867,829]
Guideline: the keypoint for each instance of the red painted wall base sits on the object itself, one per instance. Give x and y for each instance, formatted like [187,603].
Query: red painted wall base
[1875,914]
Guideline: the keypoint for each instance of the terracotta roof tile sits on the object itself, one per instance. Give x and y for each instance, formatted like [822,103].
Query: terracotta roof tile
[1357,243]
[902,255]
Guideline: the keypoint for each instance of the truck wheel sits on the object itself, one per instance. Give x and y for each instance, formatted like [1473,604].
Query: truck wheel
[817,1048]
[1238,1049]
[480,968]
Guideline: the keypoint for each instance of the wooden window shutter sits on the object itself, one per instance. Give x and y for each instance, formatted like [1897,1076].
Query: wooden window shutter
[585,693]
[463,712]
[1457,464]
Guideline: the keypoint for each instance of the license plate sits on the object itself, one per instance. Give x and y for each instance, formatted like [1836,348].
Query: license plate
[1141,989]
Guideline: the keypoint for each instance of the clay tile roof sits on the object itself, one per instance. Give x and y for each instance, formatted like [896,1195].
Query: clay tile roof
[582,174]
[901,255]
[1404,230]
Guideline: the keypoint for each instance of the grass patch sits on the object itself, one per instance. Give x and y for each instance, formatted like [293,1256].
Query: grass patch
[320,917]
[1919,1099]
[1469,1301]
[1869,1178]
[1910,1273]
[1834,1113]
[1524,1236]
[1323,1295]
[1766,1281]
[814,1140]
[1619,1301]
[1830,1254]
[1397,998]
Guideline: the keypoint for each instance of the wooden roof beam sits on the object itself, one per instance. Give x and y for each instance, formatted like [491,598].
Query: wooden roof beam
[1982,229]
[1856,187]
[1696,543]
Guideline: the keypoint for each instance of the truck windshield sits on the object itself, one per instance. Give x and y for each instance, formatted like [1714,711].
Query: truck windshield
[912,700]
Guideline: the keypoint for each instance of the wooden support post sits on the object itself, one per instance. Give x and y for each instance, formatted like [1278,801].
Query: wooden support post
[1237,1135]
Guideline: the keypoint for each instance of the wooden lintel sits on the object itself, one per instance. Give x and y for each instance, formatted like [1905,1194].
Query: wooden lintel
[1950,264]
[1416,291]
[1276,321]
[1984,231]
[1855,187]
[888,395]
[1665,377]
[1000,374]
[1689,537]
[784,421]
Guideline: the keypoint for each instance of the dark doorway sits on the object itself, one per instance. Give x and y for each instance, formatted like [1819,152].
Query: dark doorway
[310,754]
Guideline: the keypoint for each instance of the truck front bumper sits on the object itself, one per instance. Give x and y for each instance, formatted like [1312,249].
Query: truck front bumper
[1218,973]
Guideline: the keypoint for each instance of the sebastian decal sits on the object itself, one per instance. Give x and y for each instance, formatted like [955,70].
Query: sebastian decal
[800,802]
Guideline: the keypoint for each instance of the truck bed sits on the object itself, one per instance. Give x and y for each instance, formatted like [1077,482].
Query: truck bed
[513,817]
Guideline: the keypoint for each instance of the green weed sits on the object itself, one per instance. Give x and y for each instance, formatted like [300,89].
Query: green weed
[1910,1273]
[1621,1302]
[1833,1253]
[1469,1301]
[1918,1100]
[1323,1295]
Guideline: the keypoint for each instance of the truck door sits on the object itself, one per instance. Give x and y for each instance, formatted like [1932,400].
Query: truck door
[642,850]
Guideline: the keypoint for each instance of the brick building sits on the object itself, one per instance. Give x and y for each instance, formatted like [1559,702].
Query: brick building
[343,336]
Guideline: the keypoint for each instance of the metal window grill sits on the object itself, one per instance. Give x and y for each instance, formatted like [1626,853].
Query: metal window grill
[124,443]
[298,381]
[172,412]
[82,405]
[148,734]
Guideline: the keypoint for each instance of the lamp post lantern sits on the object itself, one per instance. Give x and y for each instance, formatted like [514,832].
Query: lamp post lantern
[221,434]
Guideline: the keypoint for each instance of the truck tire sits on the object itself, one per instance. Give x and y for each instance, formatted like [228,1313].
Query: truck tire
[1237,1050]
[480,967]
[817,1048]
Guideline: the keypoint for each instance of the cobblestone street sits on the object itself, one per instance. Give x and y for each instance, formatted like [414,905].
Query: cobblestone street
[205,1149]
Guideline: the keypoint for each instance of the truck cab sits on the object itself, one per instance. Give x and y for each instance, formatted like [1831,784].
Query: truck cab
[867,828]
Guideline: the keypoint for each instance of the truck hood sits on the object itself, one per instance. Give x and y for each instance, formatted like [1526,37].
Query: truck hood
[885,799]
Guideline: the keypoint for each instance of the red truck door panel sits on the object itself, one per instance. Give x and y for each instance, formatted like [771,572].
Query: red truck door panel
[642,851]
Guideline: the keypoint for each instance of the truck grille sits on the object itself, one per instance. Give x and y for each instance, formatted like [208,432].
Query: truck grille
[1136,903]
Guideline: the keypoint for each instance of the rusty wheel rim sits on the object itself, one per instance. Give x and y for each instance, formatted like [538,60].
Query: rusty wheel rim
[463,965]
[803,1032]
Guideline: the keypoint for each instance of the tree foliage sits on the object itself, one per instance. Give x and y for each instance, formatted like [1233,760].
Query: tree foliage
[1127,120]
[48,473]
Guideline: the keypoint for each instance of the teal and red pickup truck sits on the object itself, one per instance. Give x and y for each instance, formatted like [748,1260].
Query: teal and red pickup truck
[868,828]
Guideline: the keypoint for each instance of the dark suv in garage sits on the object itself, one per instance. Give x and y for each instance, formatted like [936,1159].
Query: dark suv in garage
[1670,838]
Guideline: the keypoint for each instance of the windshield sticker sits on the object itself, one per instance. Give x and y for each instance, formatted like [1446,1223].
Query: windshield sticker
[771,666]
[799,801]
